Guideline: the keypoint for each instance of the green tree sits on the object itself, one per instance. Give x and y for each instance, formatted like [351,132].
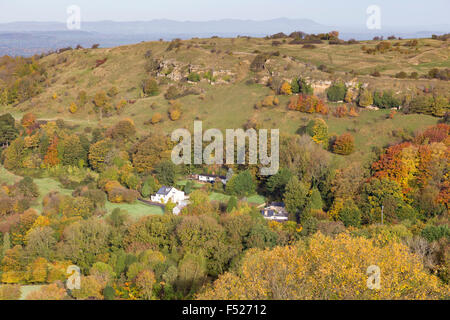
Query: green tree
[337,91]
[241,184]
[296,199]
[365,98]
[150,87]
[166,172]
[276,184]
[8,130]
[350,214]
[232,204]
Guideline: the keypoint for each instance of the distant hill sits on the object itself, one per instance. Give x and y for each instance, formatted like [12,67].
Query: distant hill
[27,38]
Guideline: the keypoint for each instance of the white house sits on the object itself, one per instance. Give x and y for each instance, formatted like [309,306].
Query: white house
[165,194]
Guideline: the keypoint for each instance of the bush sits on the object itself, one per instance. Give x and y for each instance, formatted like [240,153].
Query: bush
[156,118]
[286,89]
[365,98]
[350,214]
[401,75]
[121,194]
[73,108]
[150,87]
[385,100]
[100,99]
[174,114]
[318,130]
[9,292]
[112,92]
[337,92]
[434,233]
[172,93]
[344,144]
[194,77]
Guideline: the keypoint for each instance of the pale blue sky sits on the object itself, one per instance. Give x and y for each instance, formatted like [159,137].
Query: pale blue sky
[330,12]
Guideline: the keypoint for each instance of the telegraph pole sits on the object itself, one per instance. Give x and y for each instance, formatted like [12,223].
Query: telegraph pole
[382,209]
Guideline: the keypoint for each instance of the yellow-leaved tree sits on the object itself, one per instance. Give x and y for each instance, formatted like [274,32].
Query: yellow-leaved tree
[327,268]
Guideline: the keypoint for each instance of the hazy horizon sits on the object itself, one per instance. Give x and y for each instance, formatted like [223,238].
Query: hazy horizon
[401,13]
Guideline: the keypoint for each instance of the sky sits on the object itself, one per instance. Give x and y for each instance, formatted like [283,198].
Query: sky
[328,12]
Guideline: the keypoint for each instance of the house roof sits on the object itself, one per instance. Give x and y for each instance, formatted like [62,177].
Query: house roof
[164,190]
[212,176]
[277,204]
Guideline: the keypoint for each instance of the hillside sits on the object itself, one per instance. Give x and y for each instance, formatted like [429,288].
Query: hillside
[86,177]
[228,101]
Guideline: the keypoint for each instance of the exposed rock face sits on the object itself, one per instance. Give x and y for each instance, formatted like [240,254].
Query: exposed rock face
[177,71]
[320,86]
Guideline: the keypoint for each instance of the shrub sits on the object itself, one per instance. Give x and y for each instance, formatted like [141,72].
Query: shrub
[318,130]
[385,100]
[172,93]
[100,99]
[150,87]
[401,75]
[309,104]
[174,114]
[112,92]
[301,86]
[9,292]
[194,77]
[344,144]
[336,92]
[286,88]
[73,108]
[365,98]
[156,118]
[350,214]
[434,233]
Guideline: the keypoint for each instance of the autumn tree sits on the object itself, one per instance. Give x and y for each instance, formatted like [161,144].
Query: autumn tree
[318,130]
[344,144]
[98,152]
[48,292]
[308,271]
[150,87]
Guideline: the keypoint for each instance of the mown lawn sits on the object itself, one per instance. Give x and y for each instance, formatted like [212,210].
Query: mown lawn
[8,177]
[26,290]
[254,199]
[215,196]
[135,210]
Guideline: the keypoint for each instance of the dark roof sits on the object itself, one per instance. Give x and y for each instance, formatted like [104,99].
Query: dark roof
[212,176]
[164,190]
[277,204]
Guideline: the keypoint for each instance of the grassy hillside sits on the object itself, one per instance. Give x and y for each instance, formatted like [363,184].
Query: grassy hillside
[229,101]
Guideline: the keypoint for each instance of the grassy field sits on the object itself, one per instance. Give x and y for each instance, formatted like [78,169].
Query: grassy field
[215,196]
[256,199]
[26,290]
[220,197]
[135,210]
[8,177]
[47,185]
